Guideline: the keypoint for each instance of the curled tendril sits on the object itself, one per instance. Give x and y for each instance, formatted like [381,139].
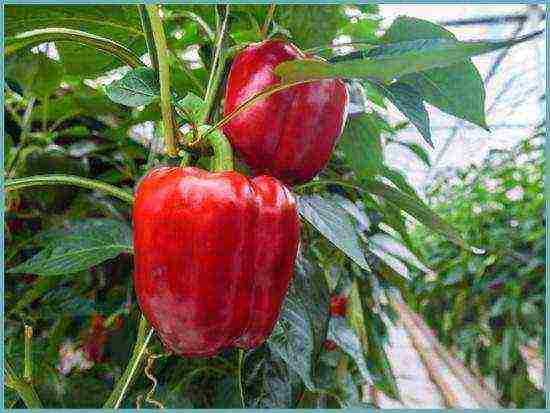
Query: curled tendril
[149,396]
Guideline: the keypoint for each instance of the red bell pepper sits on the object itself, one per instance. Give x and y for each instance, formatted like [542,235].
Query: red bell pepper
[214,256]
[290,134]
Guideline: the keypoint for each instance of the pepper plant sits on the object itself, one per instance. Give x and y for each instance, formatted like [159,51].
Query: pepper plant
[498,205]
[75,336]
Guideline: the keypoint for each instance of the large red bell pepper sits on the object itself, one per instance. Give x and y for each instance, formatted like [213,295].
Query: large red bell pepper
[290,134]
[214,255]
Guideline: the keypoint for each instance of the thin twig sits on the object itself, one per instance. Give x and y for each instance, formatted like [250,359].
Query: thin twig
[216,70]
[133,369]
[267,21]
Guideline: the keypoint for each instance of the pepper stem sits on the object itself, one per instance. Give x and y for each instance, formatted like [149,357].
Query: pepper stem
[223,153]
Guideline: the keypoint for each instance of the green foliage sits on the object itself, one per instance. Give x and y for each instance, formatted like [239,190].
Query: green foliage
[456,89]
[67,248]
[137,88]
[334,223]
[81,246]
[488,306]
[119,23]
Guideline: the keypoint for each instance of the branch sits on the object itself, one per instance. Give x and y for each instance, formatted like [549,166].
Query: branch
[164,79]
[45,180]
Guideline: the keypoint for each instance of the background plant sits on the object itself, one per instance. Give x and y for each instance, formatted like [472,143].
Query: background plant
[489,307]
[68,249]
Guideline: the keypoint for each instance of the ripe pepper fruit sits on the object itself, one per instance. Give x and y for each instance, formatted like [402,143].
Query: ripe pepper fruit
[290,134]
[338,304]
[214,256]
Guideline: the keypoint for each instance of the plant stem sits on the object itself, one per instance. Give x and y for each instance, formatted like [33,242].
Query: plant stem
[24,390]
[149,39]
[44,180]
[134,366]
[217,69]
[164,79]
[267,21]
[27,373]
[35,37]
[240,377]
[45,107]
[26,121]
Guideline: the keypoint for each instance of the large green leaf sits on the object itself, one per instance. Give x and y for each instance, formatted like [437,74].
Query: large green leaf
[391,61]
[82,246]
[292,339]
[362,147]
[37,74]
[120,23]
[334,223]
[138,87]
[345,337]
[311,25]
[457,89]
[409,102]
[269,383]
[416,208]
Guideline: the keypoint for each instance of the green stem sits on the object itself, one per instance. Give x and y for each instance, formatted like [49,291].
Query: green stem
[217,69]
[45,108]
[164,79]
[223,153]
[27,372]
[149,39]
[267,21]
[54,34]
[45,180]
[27,118]
[133,368]
[240,377]
[24,390]
[253,99]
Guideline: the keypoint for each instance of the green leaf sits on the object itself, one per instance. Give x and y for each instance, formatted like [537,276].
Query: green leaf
[137,88]
[361,145]
[82,246]
[417,209]
[409,102]
[458,89]
[334,223]
[389,245]
[343,335]
[311,25]
[292,339]
[194,107]
[37,74]
[400,181]
[120,23]
[37,37]
[417,150]
[391,61]
[271,384]
[310,287]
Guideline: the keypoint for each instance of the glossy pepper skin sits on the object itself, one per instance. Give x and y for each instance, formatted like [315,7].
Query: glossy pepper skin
[214,256]
[290,134]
